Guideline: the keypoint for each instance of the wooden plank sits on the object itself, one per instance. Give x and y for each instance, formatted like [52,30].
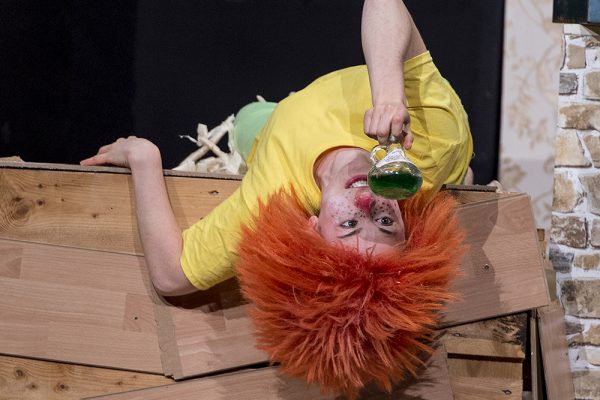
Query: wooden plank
[472,368]
[484,348]
[93,210]
[489,349]
[466,388]
[502,273]
[498,338]
[206,331]
[267,383]
[17,163]
[27,379]
[537,374]
[555,359]
[433,382]
[55,206]
[260,384]
[475,194]
[79,306]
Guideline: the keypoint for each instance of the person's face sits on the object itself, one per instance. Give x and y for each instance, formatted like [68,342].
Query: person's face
[352,215]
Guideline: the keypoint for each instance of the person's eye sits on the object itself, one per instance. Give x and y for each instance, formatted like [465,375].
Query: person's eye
[385,221]
[351,223]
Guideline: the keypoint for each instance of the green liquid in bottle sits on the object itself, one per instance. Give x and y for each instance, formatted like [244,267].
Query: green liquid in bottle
[398,180]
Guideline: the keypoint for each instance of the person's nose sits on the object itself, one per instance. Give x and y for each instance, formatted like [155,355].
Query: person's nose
[364,201]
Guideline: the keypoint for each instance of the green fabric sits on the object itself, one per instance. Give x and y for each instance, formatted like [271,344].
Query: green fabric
[249,121]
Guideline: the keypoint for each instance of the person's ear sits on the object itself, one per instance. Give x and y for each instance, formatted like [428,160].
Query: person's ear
[313,221]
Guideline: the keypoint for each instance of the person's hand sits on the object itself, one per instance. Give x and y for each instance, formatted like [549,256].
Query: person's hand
[124,152]
[384,120]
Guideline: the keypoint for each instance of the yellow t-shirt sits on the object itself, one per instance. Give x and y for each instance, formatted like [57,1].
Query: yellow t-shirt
[326,114]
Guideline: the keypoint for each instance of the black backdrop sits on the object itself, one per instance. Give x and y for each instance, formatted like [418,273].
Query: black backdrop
[77,74]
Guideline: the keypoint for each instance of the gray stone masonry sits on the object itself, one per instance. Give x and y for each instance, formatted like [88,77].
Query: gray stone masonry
[567,193]
[569,150]
[591,86]
[574,243]
[569,230]
[568,83]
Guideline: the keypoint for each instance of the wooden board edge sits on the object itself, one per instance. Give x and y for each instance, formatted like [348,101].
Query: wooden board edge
[165,329]
[36,379]
[257,372]
[537,378]
[443,324]
[506,197]
[551,324]
[110,170]
[470,188]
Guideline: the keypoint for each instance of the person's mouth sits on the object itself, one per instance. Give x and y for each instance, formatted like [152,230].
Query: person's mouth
[358,181]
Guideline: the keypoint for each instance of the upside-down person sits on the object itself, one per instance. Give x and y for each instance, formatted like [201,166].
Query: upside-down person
[345,286]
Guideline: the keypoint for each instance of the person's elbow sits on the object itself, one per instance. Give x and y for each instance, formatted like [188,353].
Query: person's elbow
[173,283]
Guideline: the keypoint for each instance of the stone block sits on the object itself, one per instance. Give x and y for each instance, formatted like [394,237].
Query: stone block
[573,328]
[586,384]
[591,85]
[591,355]
[591,185]
[592,61]
[588,261]
[579,116]
[569,230]
[567,193]
[575,56]
[561,260]
[592,142]
[595,232]
[580,298]
[568,84]
[592,335]
[569,150]
[591,41]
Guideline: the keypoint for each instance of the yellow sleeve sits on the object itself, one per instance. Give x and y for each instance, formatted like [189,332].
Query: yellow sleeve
[210,245]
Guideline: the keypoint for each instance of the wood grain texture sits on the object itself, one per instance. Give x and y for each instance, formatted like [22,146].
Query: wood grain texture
[475,196]
[466,388]
[489,349]
[79,306]
[473,368]
[267,383]
[498,338]
[206,331]
[93,210]
[27,379]
[537,373]
[209,331]
[555,359]
[502,273]
[260,384]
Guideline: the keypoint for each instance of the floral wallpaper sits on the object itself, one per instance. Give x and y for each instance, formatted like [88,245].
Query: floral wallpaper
[530,80]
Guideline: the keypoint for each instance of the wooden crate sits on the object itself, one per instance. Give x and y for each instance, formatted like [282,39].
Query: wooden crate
[71,258]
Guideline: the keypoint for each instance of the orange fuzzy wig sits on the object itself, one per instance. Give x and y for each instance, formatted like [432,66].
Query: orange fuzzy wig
[339,318]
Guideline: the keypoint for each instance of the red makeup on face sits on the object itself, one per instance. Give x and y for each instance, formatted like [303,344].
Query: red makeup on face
[364,201]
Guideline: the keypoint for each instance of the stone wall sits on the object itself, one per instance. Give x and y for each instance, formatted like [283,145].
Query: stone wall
[575,228]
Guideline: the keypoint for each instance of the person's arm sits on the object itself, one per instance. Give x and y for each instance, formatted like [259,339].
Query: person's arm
[159,232]
[389,37]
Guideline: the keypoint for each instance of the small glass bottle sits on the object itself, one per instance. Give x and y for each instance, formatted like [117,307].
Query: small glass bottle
[393,175]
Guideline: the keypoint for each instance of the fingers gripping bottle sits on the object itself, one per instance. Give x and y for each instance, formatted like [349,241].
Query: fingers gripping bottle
[393,175]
